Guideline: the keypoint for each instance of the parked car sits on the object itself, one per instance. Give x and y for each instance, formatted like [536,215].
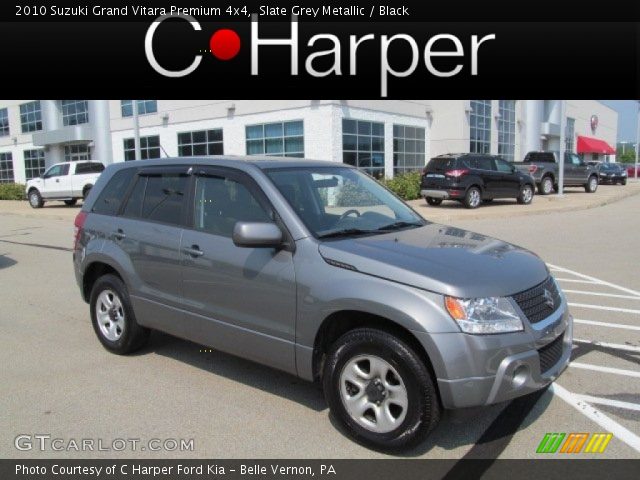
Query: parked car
[612,173]
[472,178]
[543,166]
[68,181]
[318,270]
[631,170]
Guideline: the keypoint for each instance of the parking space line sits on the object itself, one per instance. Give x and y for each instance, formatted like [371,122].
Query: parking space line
[613,346]
[599,294]
[598,368]
[622,326]
[608,402]
[573,280]
[601,307]
[596,280]
[620,432]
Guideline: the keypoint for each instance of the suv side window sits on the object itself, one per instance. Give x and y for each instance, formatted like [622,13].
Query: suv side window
[160,198]
[485,163]
[503,167]
[220,202]
[110,198]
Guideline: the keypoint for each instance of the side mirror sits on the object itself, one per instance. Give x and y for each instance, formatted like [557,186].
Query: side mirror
[256,235]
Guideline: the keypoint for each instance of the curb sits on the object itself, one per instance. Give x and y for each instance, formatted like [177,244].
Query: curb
[525,212]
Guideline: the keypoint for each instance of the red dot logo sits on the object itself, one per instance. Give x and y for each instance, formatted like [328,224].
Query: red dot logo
[224,44]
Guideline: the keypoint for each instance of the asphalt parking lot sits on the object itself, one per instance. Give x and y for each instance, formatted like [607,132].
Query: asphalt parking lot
[57,379]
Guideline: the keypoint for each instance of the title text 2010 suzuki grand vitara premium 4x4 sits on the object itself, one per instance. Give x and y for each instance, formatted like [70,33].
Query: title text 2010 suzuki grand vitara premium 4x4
[316,269]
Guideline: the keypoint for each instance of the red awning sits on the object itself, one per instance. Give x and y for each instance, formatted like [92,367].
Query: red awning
[593,145]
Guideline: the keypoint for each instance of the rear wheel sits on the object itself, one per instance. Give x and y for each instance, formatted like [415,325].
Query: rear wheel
[592,184]
[526,194]
[71,202]
[434,202]
[472,198]
[35,199]
[112,316]
[546,185]
[85,191]
[379,389]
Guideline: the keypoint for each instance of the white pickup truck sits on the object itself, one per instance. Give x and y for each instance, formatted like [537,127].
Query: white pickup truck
[67,181]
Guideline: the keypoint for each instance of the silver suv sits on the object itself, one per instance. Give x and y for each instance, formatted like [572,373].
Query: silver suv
[316,269]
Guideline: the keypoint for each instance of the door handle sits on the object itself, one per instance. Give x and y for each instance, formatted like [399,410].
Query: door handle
[193,250]
[57,180]
[119,234]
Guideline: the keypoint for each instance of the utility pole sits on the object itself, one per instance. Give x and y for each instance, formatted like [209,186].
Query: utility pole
[635,170]
[136,129]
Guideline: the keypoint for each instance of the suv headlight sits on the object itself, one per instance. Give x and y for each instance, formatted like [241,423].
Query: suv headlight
[484,315]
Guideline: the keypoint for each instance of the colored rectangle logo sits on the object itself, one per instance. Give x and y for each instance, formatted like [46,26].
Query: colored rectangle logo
[574,442]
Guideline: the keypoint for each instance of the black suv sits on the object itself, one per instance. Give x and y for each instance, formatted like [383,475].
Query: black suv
[472,178]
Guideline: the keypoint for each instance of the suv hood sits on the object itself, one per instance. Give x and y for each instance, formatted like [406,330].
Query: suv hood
[442,259]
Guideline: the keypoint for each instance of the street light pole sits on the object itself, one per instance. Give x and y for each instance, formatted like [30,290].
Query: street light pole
[637,142]
[136,130]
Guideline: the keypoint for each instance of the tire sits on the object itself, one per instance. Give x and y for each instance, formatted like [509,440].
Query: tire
[592,184]
[35,199]
[556,188]
[85,191]
[546,185]
[526,194]
[473,197]
[434,202]
[117,330]
[623,182]
[407,375]
[71,202]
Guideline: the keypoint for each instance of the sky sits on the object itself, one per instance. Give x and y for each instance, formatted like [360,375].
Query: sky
[627,118]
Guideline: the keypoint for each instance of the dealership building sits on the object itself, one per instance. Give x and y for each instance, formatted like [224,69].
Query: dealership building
[383,137]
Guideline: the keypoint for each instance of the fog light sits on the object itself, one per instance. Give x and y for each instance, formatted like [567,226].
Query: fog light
[520,376]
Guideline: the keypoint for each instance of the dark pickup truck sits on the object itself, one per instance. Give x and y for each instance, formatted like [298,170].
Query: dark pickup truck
[543,167]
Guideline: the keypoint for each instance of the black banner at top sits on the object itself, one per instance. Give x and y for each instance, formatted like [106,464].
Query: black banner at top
[263,51]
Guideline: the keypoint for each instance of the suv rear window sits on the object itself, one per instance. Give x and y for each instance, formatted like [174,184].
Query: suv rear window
[439,164]
[110,198]
[93,167]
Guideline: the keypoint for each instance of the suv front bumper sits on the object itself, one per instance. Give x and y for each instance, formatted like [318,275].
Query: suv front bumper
[476,370]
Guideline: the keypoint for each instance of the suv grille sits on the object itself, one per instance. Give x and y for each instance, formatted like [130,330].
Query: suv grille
[550,354]
[536,304]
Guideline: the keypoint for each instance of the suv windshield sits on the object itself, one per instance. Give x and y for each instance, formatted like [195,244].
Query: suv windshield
[340,201]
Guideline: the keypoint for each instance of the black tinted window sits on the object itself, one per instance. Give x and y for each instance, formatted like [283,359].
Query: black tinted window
[221,202]
[110,198]
[485,163]
[164,198]
[442,163]
[83,168]
[503,166]
[134,203]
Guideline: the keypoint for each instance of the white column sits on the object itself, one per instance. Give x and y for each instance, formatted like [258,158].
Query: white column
[100,121]
[51,120]
[534,111]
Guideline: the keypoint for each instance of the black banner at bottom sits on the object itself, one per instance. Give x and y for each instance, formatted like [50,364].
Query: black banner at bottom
[323,469]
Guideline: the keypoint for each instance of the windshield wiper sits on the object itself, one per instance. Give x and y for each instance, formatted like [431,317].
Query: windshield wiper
[346,232]
[397,225]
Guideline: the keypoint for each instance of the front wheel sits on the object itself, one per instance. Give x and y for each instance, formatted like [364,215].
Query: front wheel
[592,184]
[35,199]
[526,195]
[434,202]
[623,182]
[112,316]
[71,202]
[472,198]
[379,389]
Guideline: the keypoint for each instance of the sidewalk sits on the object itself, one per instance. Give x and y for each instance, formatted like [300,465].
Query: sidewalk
[574,199]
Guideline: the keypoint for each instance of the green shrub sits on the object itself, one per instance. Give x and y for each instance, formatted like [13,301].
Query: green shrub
[11,191]
[406,186]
